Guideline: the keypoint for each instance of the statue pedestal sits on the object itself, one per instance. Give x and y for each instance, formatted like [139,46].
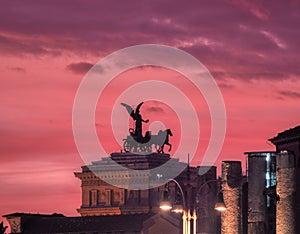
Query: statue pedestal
[119,184]
[140,161]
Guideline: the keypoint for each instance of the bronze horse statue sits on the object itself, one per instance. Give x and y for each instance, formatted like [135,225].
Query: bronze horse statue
[162,139]
[145,144]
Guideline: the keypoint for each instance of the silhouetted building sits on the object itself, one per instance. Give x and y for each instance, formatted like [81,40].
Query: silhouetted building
[288,140]
[288,180]
[101,198]
[22,223]
[261,173]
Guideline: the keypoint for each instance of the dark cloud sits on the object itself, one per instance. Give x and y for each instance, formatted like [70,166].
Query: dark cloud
[17,69]
[79,68]
[155,109]
[290,94]
[18,46]
[144,67]
[249,75]
[226,85]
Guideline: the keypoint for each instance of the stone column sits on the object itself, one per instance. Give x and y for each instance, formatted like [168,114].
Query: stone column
[231,186]
[286,192]
[256,198]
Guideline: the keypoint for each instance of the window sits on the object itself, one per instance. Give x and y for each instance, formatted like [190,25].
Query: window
[108,197]
[94,197]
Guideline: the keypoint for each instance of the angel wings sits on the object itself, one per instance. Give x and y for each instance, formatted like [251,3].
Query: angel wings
[130,110]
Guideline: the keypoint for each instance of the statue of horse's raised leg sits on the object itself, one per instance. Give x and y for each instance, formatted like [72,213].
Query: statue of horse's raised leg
[170,146]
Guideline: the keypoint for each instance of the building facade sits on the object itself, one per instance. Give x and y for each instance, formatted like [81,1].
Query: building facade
[100,198]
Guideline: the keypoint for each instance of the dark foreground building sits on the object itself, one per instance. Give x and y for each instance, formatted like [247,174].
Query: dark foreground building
[112,209]
[113,224]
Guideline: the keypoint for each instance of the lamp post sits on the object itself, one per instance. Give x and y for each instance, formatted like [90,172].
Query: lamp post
[186,213]
[167,206]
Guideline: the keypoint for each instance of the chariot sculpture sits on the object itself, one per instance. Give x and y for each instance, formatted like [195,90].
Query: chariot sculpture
[136,142]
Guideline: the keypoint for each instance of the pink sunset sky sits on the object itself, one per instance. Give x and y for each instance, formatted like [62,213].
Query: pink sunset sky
[46,47]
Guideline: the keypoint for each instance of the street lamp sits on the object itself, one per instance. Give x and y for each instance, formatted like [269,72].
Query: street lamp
[186,214]
[220,205]
[165,203]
